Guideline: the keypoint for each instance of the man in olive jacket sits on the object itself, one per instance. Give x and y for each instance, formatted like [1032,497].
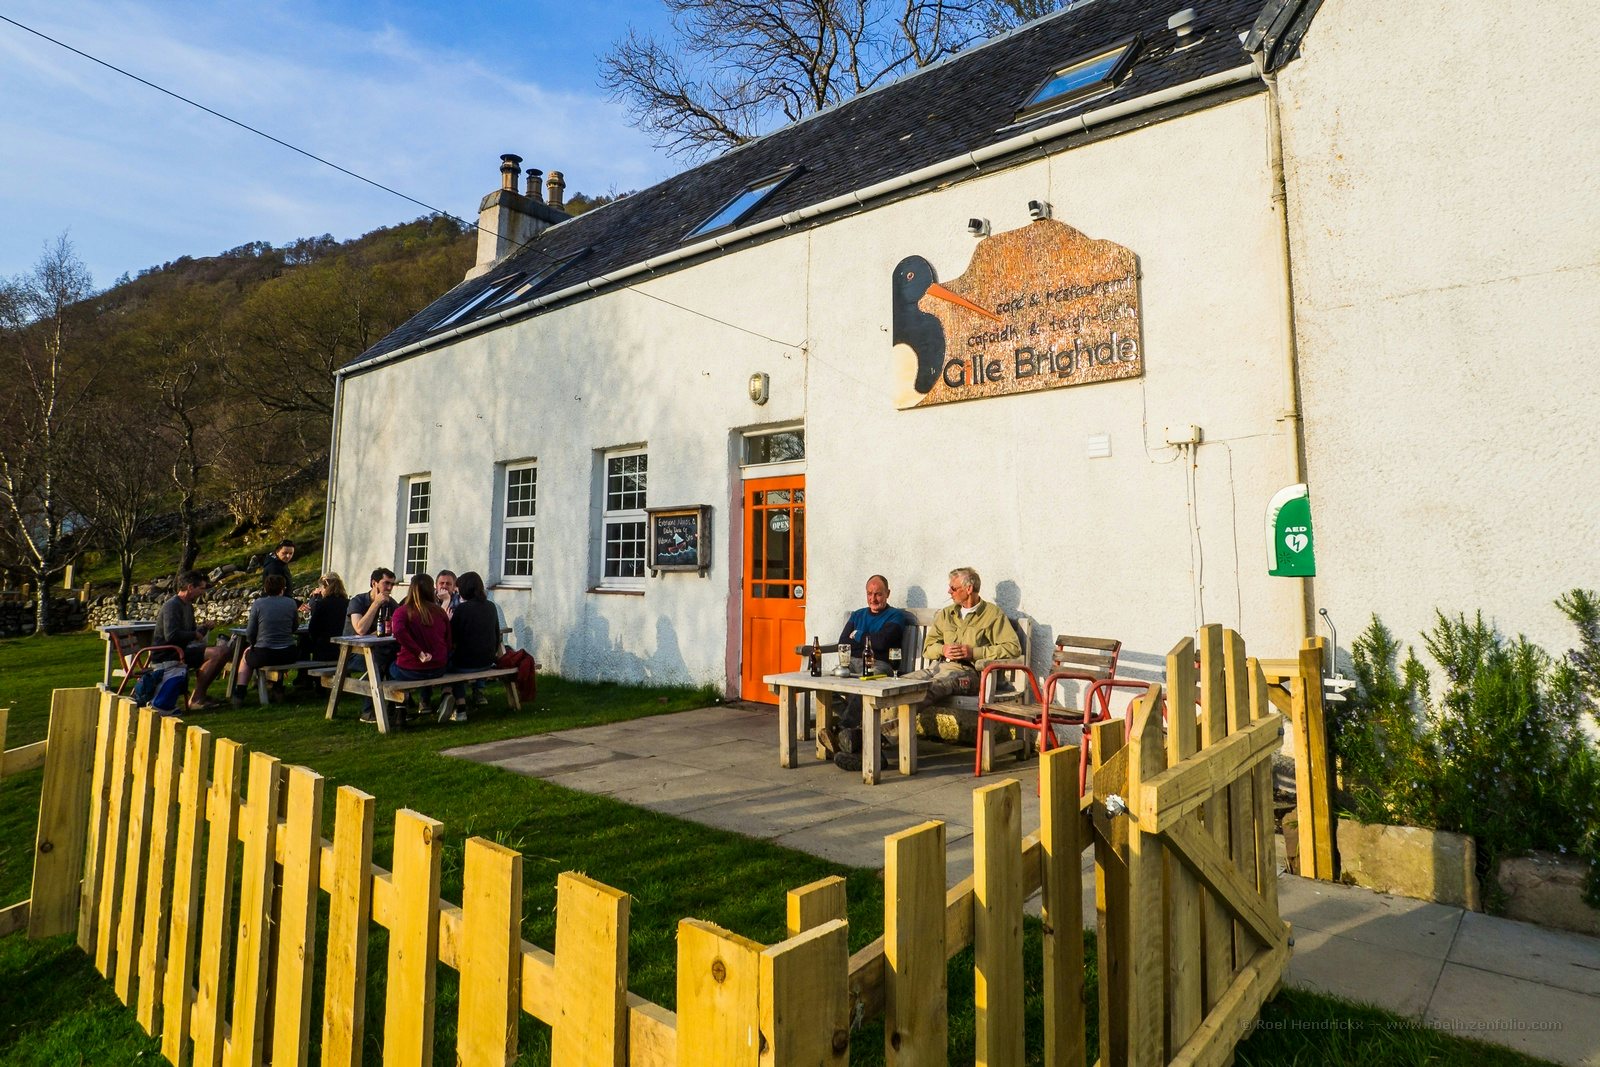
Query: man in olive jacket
[963,637]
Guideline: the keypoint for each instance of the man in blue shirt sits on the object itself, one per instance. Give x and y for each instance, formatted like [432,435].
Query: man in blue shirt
[883,627]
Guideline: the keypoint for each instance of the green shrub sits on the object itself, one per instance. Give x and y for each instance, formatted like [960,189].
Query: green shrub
[1500,753]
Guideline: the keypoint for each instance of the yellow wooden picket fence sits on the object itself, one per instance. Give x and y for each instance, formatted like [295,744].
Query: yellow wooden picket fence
[203,867]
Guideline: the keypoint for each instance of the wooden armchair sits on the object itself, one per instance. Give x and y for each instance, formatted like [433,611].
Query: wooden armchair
[1033,707]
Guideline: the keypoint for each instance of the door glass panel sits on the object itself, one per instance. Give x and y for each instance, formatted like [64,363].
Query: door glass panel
[799,572]
[778,496]
[777,554]
[758,539]
[777,592]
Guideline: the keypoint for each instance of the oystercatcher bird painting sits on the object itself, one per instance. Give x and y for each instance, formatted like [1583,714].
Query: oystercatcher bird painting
[921,333]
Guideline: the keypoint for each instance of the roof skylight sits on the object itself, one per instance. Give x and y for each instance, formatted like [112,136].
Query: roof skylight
[743,203]
[533,281]
[493,292]
[1081,78]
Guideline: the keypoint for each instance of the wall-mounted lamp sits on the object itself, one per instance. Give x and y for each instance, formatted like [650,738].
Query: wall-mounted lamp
[1038,209]
[760,386]
[978,227]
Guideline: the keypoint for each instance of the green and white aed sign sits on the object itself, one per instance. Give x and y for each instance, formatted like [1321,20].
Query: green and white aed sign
[1290,546]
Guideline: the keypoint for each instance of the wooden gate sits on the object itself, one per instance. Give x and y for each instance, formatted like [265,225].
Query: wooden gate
[1186,873]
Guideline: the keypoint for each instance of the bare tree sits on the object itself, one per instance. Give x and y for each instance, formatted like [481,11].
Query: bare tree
[186,388]
[736,68]
[47,381]
[121,474]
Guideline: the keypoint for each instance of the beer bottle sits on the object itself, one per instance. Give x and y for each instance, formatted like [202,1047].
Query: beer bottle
[868,659]
[816,657]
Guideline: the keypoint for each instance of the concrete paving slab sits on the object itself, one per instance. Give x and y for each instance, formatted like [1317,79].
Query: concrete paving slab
[1414,926]
[1396,981]
[857,837]
[623,779]
[1522,950]
[1531,1017]
[777,811]
[490,751]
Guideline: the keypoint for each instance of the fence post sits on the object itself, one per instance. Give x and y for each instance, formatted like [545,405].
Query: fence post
[413,940]
[1184,963]
[247,1041]
[94,849]
[1111,894]
[1062,899]
[1217,932]
[491,955]
[591,973]
[222,804]
[805,999]
[297,918]
[1241,793]
[344,1004]
[136,852]
[1311,752]
[178,996]
[1147,978]
[1266,821]
[63,812]
[915,1008]
[115,833]
[997,922]
[719,997]
[158,886]
[814,904]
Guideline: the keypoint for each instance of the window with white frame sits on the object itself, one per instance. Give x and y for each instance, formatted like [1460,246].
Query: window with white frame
[520,493]
[418,522]
[622,520]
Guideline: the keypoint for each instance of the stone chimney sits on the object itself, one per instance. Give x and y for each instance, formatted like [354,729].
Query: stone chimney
[508,219]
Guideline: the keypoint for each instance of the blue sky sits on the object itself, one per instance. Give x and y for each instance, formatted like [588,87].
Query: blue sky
[422,96]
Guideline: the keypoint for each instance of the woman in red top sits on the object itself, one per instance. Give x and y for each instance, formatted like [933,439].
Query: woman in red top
[423,631]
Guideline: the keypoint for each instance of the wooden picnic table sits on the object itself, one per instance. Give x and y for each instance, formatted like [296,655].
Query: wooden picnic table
[899,696]
[123,638]
[368,687]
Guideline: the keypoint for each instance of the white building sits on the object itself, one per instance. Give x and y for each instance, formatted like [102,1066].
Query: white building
[1408,336]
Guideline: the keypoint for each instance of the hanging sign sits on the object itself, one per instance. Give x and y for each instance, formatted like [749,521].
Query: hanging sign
[1039,307]
[1290,543]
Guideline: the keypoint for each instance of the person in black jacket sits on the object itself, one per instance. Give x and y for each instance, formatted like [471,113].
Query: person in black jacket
[278,563]
[325,620]
[475,636]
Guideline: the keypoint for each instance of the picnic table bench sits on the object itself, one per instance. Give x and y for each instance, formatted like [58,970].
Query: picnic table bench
[381,691]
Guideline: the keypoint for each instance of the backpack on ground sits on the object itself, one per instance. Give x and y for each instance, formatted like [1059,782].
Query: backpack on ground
[527,672]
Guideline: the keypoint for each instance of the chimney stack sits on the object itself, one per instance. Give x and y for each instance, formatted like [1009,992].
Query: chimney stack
[508,219]
[510,168]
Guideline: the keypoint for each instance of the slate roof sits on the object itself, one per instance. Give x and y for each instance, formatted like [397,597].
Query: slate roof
[962,104]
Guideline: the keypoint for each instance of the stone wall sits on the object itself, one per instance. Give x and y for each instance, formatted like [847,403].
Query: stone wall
[220,607]
[66,616]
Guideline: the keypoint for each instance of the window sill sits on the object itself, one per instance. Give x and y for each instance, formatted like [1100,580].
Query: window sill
[523,586]
[603,590]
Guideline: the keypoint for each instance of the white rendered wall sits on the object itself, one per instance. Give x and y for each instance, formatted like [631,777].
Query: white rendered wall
[1100,547]
[1445,207]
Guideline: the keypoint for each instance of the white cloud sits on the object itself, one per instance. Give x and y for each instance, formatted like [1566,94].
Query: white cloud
[140,178]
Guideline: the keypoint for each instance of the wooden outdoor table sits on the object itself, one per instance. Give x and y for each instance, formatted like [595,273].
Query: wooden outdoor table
[114,634]
[901,695]
[369,686]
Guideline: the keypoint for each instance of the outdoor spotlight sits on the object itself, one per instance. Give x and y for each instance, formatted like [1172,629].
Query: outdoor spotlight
[759,386]
[1038,209]
[978,227]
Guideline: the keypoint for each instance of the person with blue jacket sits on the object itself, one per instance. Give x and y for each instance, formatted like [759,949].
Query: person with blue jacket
[883,627]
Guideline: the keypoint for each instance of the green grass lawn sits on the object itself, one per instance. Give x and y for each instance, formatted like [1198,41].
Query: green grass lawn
[54,1009]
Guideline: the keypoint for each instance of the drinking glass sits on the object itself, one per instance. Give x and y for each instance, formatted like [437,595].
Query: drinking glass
[844,654]
[895,655]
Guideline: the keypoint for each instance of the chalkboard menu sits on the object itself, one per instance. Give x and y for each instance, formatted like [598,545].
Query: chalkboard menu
[679,539]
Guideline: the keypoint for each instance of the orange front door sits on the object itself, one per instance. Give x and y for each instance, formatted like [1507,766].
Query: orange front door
[774,581]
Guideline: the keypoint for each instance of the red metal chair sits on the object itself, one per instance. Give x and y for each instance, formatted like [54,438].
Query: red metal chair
[1083,659]
[1101,691]
[140,662]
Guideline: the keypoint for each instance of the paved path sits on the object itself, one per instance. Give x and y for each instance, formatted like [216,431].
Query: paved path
[1532,989]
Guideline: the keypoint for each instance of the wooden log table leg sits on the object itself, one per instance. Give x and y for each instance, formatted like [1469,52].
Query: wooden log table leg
[380,707]
[788,713]
[871,740]
[824,718]
[908,737]
[341,670]
[105,682]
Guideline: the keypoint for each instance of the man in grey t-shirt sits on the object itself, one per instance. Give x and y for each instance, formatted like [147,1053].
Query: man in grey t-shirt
[175,625]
